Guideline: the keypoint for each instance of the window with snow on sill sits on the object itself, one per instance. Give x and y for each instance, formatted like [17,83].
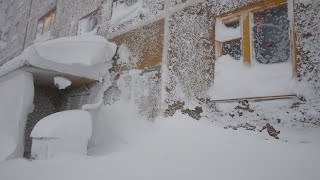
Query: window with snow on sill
[254,62]
[233,79]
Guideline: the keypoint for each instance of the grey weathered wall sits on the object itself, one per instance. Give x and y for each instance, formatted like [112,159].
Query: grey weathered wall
[14,27]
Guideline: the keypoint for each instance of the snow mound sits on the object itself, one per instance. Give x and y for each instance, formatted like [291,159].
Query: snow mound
[86,50]
[234,79]
[61,82]
[16,98]
[73,124]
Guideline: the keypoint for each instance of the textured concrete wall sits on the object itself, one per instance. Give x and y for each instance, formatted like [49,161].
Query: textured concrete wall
[190,65]
[13,27]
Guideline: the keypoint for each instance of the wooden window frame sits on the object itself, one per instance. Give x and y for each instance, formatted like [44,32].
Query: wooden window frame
[245,15]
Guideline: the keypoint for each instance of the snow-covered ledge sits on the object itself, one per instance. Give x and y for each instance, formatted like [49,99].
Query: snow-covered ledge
[82,56]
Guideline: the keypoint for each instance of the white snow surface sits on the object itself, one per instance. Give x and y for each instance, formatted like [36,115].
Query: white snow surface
[61,82]
[16,102]
[66,124]
[83,56]
[86,50]
[181,148]
[234,79]
[92,106]
[224,33]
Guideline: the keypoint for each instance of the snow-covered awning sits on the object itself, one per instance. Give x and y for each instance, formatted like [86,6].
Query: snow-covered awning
[78,56]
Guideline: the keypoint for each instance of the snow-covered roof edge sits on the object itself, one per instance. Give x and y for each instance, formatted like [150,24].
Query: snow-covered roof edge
[82,56]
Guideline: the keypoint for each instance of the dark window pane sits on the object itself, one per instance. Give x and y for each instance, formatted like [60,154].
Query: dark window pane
[271,35]
[233,48]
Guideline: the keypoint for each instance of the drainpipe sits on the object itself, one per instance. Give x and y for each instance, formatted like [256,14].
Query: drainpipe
[28,19]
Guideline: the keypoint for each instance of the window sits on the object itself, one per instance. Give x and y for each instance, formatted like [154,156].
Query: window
[255,52]
[45,23]
[88,24]
[266,34]
[127,2]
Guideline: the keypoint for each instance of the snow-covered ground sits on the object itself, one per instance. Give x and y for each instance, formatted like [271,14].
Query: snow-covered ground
[176,148]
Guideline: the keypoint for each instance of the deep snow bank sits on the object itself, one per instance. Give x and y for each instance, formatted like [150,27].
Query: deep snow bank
[16,98]
[182,148]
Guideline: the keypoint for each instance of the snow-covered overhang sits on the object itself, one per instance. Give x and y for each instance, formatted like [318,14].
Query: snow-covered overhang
[80,58]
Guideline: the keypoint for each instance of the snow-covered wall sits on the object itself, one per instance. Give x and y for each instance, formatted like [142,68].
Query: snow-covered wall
[173,43]
[13,29]
[189,65]
[16,102]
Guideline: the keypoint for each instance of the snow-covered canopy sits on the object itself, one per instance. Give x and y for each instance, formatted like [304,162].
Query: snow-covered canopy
[83,56]
[65,125]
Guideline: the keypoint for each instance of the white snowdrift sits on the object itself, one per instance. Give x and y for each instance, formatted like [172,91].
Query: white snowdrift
[234,79]
[224,33]
[181,148]
[16,102]
[82,56]
[60,133]
[65,124]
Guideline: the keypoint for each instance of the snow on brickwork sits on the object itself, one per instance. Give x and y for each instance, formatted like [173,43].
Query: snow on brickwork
[190,54]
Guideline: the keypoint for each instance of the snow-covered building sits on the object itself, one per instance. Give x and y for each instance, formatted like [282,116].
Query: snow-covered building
[236,61]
